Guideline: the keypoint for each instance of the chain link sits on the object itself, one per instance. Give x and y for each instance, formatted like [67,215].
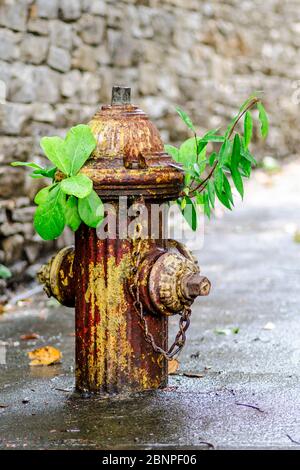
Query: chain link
[184,321]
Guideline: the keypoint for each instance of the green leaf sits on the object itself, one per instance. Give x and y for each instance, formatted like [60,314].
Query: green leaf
[211,192]
[187,177]
[54,149]
[188,154]
[236,151]
[200,146]
[246,154]
[91,210]
[186,119]
[79,144]
[222,331]
[173,151]
[235,160]
[238,181]
[182,203]
[42,196]
[248,127]
[189,212]
[73,219]
[44,173]
[263,117]
[211,132]
[79,186]
[212,158]
[227,189]
[4,272]
[212,138]
[196,169]
[38,172]
[201,160]
[218,179]
[69,155]
[223,198]
[206,204]
[225,152]
[246,167]
[36,176]
[49,218]
[199,198]
[29,164]
[227,331]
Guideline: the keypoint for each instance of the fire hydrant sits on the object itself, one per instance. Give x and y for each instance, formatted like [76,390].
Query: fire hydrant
[124,287]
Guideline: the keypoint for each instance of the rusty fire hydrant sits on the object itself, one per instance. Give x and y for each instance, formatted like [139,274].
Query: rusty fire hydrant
[124,287]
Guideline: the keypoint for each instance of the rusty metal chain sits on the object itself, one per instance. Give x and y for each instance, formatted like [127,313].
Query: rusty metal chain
[184,321]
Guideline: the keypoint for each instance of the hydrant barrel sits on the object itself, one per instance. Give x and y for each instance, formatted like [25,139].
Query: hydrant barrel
[112,355]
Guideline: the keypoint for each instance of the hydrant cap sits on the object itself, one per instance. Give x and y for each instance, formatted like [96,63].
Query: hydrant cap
[129,158]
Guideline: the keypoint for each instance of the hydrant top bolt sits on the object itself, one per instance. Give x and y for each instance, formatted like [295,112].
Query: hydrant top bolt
[120,95]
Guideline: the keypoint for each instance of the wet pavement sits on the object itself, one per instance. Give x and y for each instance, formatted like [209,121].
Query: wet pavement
[246,394]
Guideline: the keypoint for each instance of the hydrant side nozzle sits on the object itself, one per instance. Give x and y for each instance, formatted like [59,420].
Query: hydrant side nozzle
[43,277]
[57,278]
[175,282]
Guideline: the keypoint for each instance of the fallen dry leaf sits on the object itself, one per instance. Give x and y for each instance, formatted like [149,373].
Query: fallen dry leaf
[29,336]
[173,366]
[194,375]
[44,356]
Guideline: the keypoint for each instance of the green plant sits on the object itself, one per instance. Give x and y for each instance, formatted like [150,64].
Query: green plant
[4,272]
[206,175]
[71,198]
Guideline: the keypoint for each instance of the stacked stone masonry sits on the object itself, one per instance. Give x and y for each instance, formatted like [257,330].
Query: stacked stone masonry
[59,59]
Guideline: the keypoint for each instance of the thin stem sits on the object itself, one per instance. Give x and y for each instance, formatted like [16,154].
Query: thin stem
[249,106]
[197,156]
[202,185]
[196,146]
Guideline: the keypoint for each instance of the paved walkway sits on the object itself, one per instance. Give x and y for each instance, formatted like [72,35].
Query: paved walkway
[248,395]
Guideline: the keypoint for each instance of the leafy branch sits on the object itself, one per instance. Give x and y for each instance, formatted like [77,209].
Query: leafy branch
[71,200]
[207,176]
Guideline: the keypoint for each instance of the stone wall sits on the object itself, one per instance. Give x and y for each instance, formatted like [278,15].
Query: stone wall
[59,59]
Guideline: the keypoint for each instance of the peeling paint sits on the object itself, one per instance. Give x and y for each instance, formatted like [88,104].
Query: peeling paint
[112,354]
